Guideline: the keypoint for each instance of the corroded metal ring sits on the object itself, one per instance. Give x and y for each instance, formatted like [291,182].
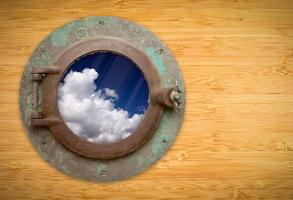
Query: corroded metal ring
[57,144]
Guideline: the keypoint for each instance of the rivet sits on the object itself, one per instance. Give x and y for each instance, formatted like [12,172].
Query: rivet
[177,96]
[82,32]
[104,173]
[161,51]
[164,142]
[101,22]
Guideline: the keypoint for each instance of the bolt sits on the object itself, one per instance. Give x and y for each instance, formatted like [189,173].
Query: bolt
[104,173]
[176,96]
[164,142]
[161,51]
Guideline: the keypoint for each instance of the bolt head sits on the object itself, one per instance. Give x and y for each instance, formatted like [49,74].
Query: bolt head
[177,96]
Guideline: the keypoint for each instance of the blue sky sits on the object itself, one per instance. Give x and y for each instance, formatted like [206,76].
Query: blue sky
[121,74]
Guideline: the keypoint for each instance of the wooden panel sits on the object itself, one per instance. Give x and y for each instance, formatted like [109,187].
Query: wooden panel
[237,138]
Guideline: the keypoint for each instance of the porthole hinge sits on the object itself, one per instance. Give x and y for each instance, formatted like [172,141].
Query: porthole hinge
[37,75]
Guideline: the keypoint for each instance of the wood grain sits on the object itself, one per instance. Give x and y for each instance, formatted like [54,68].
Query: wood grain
[237,137]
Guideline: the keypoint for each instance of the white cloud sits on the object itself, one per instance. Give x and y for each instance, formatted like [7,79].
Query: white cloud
[91,114]
[111,93]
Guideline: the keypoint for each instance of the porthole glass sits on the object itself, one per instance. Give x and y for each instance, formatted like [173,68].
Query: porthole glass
[103,97]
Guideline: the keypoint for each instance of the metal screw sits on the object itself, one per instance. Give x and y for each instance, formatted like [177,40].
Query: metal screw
[101,22]
[177,96]
[104,173]
[164,142]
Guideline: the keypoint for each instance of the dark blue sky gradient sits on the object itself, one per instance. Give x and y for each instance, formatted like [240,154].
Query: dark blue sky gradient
[121,74]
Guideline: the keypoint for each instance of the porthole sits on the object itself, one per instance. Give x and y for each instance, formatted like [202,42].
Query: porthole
[102,99]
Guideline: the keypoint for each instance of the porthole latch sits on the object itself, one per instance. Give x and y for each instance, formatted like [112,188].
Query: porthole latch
[170,97]
[176,96]
[37,76]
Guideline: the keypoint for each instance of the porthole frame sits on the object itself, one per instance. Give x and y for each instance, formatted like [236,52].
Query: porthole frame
[43,65]
[52,119]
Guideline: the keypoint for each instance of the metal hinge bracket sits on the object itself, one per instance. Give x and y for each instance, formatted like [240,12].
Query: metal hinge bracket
[37,75]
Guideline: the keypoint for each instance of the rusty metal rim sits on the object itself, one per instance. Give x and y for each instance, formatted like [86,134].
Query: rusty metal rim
[73,142]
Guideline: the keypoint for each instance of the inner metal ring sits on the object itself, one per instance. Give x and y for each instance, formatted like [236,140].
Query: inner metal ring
[73,142]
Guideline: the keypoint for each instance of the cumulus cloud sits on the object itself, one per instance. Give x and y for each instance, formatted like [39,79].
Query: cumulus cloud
[111,93]
[90,113]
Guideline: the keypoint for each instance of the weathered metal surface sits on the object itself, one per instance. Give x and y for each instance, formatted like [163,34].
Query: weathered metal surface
[91,169]
[50,108]
[169,97]
[37,75]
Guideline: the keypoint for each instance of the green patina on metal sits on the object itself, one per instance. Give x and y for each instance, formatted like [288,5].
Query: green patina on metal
[141,159]
[164,137]
[59,38]
[100,168]
[157,59]
[40,56]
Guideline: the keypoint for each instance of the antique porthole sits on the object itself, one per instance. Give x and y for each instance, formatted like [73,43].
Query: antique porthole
[102,99]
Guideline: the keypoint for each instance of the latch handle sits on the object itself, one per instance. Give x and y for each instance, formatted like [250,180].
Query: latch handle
[176,96]
[169,97]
